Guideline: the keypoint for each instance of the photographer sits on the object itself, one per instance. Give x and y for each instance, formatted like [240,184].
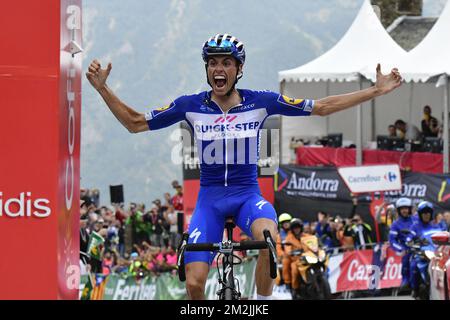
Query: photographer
[360,232]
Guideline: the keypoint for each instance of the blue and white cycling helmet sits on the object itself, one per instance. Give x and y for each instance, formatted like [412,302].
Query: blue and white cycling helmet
[224,44]
[425,207]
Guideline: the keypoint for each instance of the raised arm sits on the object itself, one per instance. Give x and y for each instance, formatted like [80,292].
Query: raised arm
[131,119]
[383,85]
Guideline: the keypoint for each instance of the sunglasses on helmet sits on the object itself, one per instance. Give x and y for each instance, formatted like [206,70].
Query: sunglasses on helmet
[225,47]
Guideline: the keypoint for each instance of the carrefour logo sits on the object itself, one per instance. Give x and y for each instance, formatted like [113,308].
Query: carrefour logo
[390,176]
[364,179]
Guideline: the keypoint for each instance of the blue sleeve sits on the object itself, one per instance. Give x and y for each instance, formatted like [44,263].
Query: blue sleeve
[443,225]
[168,115]
[393,236]
[416,233]
[283,105]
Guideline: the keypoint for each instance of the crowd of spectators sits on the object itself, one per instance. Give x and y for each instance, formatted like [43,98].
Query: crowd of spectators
[402,130]
[336,232]
[430,128]
[130,239]
[352,232]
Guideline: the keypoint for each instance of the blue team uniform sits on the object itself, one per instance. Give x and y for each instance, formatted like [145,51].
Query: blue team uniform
[422,231]
[398,242]
[228,149]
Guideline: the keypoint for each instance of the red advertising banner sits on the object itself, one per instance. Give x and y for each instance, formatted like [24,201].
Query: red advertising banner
[354,273]
[391,275]
[40,99]
[360,270]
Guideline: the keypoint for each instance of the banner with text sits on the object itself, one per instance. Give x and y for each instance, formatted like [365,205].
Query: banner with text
[166,286]
[365,270]
[363,179]
[303,191]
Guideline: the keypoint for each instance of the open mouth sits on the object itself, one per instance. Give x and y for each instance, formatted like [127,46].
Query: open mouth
[220,81]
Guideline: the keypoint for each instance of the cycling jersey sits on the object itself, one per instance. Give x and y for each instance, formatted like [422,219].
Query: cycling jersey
[228,150]
[227,142]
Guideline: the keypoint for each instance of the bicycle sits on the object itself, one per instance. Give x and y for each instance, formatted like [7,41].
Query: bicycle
[229,290]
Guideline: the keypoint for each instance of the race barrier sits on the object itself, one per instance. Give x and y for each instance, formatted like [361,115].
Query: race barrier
[348,271]
[365,270]
[163,287]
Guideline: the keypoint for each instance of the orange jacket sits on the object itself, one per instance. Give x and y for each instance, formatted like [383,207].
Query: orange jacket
[296,243]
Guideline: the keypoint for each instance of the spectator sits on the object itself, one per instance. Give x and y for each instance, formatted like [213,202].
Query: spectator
[120,214]
[95,197]
[172,220]
[121,238]
[157,227]
[107,263]
[360,232]
[158,205]
[323,230]
[171,258]
[167,199]
[385,216]
[392,131]
[407,131]
[84,240]
[307,228]
[445,223]
[112,239]
[293,145]
[177,199]
[439,218]
[343,234]
[334,241]
[430,125]
[122,266]
[136,220]
[313,226]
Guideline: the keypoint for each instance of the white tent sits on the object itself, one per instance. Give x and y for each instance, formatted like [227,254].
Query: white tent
[354,58]
[366,43]
[429,58]
[429,63]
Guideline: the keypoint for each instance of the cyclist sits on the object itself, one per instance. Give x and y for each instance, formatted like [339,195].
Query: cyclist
[226,123]
[397,239]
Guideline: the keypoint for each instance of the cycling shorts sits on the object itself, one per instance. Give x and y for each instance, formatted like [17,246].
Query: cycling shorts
[214,204]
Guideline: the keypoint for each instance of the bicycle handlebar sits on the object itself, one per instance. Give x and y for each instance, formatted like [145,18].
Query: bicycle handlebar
[236,246]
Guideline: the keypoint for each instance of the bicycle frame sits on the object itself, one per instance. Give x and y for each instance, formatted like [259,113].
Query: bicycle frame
[226,248]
